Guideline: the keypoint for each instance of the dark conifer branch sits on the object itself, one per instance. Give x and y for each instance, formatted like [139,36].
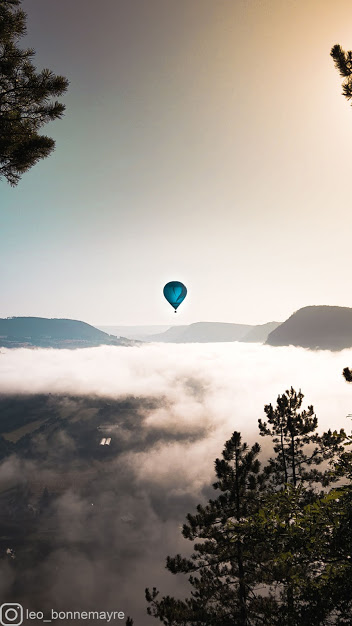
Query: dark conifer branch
[25,98]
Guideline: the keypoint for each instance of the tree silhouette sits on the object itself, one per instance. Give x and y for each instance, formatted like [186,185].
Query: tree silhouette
[343,63]
[224,568]
[272,549]
[299,449]
[25,98]
[347,374]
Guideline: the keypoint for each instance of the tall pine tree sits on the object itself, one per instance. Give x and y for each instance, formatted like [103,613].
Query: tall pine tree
[223,568]
[25,98]
[299,449]
[294,563]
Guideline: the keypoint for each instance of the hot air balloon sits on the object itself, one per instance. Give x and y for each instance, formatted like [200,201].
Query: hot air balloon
[175,292]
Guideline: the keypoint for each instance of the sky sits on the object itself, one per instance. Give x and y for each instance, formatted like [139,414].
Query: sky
[204,141]
[171,409]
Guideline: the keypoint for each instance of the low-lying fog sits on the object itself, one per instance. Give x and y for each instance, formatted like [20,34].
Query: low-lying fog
[190,398]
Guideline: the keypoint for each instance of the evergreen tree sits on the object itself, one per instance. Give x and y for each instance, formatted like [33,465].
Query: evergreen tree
[25,98]
[310,565]
[295,566]
[331,517]
[299,449]
[223,568]
[334,543]
[271,550]
[343,63]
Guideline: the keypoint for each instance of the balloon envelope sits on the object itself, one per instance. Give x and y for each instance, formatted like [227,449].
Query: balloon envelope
[175,292]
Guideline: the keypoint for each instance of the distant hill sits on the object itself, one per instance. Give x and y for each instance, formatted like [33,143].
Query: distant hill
[204,332]
[172,335]
[315,327]
[134,332]
[65,333]
[58,333]
[259,334]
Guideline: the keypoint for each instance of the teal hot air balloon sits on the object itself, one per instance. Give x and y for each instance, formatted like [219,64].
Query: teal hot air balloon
[175,293]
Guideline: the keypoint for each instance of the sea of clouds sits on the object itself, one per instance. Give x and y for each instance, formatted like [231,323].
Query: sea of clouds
[201,393]
[223,386]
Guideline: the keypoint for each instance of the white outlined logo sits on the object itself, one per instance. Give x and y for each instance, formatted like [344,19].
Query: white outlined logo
[11,614]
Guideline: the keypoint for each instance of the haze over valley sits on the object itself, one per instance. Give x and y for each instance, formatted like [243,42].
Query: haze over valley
[99,520]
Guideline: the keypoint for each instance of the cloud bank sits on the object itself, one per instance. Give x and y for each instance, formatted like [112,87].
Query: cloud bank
[208,384]
[169,410]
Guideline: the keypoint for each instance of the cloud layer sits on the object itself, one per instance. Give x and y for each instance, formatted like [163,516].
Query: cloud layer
[169,410]
[201,384]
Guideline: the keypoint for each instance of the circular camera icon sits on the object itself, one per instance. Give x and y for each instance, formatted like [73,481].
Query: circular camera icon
[11,614]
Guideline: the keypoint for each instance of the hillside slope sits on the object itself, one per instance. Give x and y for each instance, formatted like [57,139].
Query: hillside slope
[315,327]
[259,334]
[134,332]
[203,332]
[44,332]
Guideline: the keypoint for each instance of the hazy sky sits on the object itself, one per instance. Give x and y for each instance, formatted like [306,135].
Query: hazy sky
[205,141]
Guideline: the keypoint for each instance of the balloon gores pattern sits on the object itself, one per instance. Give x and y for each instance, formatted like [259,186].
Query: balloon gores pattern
[175,292]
